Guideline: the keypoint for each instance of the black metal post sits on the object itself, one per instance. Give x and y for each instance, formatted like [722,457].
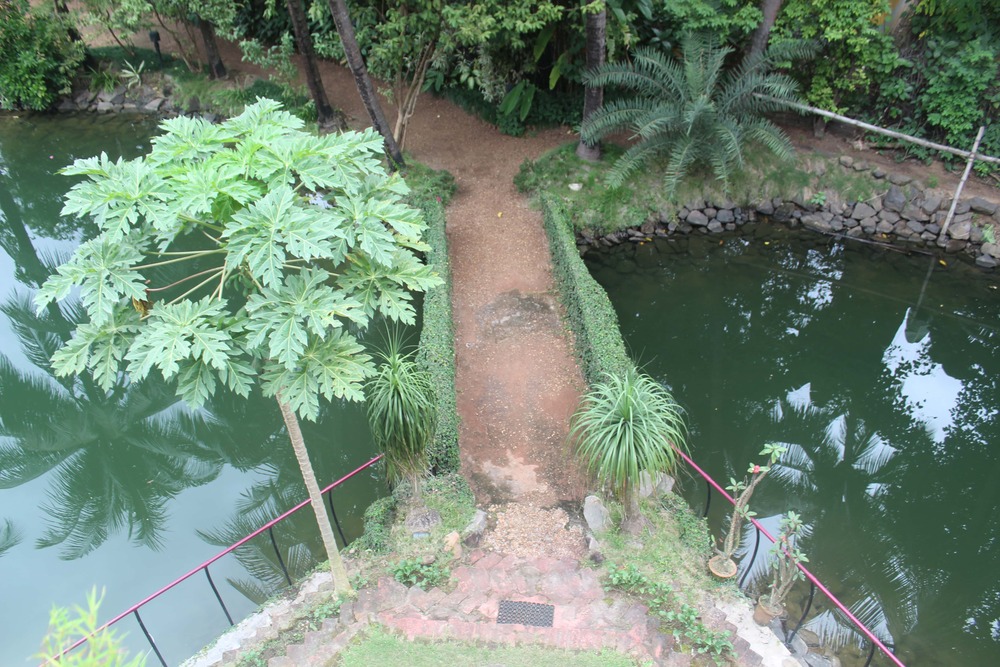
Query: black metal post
[218,597]
[149,638]
[281,561]
[336,521]
[812,593]
[756,546]
[871,654]
[708,498]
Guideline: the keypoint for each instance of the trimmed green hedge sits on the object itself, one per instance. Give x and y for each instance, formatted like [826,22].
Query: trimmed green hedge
[436,354]
[594,322]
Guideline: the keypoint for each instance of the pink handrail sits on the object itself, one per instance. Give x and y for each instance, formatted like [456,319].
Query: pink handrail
[216,557]
[809,575]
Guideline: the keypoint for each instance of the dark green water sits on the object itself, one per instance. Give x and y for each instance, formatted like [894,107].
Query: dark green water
[128,491]
[880,372]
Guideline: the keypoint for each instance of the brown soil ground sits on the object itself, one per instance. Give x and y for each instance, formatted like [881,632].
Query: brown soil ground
[517,379]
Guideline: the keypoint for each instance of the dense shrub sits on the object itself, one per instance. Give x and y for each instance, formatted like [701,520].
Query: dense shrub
[436,354]
[378,520]
[37,57]
[599,342]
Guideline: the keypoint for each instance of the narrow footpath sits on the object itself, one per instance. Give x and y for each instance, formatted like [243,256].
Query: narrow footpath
[517,383]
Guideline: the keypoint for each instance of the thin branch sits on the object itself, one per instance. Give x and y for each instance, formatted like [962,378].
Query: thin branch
[196,287]
[178,259]
[184,280]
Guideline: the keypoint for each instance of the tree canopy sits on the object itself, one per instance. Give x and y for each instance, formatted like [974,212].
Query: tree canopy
[293,241]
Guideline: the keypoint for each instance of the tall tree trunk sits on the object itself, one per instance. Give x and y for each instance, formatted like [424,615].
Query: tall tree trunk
[345,28]
[341,583]
[770,9]
[215,66]
[593,96]
[325,115]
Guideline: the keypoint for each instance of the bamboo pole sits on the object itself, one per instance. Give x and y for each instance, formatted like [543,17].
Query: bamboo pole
[880,130]
[961,184]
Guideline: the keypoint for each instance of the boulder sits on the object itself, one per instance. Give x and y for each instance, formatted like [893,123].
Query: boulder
[894,199]
[862,211]
[900,179]
[878,173]
[453,544]
[815,222]
[980,205]
[596,514]
[846,160]
[697,218]
[765,208]
[916,227]
[664,485]
[991,249]
[913,212]
[725,215]
[960,230]
[986,262]
[715,227]
[884,227]
[784,213]
[931,204]
[473,533]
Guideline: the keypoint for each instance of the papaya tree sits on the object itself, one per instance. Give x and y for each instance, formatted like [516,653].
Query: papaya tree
[288,243]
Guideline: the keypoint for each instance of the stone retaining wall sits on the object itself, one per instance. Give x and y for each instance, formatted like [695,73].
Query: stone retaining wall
[904,214]
[138,99]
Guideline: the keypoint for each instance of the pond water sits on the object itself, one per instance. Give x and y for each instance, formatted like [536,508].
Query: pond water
[130,490]
[880,373]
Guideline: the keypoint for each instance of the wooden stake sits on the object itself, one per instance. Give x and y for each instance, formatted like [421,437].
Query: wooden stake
[961,184]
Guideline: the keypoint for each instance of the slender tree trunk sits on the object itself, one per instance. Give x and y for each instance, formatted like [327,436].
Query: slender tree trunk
[345,28]
[341,583]
[758,43]
[408,94]
[215,66]
[593,96]
[325,115]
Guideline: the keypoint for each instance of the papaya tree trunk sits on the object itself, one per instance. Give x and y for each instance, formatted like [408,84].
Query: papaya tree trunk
[593,96]
[341,583]
[345,28]
[325,115]
[215,66]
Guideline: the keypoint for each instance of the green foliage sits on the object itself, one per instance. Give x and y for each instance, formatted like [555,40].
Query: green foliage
[961,87]
[271,210]
[663,24]
[102,649]
[854,55]
[378,520]
[683,619]
[416,573]
[436,352]
[290,97]
[37,57]
[402,412]
[599,343]
[627,424]
[691,112]
[10,536]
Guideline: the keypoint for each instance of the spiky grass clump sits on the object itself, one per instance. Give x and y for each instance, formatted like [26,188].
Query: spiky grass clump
[402,412]
[691,113]
[626,424]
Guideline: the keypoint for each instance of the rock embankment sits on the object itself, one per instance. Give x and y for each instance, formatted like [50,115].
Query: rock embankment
[902,213]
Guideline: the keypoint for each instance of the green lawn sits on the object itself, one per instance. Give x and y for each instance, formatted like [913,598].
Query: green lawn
[381,648]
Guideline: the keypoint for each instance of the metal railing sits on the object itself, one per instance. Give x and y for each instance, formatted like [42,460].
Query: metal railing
[814,583]
[267,527]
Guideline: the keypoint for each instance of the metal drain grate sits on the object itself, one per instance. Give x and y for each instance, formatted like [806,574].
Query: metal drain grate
[526,613]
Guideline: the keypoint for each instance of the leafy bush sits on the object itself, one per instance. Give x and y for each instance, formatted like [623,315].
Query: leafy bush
[378,524]
[436,353]
[599,342]
[37,57]
[417,573]
[961,84]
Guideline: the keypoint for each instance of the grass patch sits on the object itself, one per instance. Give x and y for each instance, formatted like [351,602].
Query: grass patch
[382,648]
[666,570]
[597,207]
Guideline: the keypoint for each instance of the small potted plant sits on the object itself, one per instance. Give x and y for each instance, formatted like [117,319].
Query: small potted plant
[722,564]
[787,557]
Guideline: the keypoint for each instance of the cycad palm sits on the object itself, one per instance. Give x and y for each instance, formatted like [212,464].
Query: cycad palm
[690,112]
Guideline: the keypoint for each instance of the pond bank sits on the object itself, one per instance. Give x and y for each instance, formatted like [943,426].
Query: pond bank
[903,214]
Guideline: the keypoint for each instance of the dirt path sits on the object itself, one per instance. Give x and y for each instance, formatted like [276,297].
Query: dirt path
[517,379]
